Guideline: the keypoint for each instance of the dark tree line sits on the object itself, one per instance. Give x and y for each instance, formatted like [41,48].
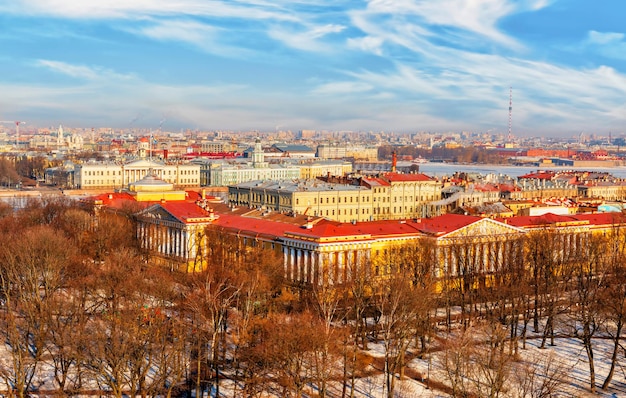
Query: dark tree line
[459,155]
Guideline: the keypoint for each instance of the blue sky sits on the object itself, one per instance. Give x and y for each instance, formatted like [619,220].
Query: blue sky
[392,65]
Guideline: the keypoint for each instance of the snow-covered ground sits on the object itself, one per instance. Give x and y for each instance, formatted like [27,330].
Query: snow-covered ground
[568,356]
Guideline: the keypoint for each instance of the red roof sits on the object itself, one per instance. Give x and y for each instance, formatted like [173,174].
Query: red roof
[486,188]
[445,223]
[327,228]
[539,175]
[117,200]
[396,177]
[120,200]
[185,211]
[509,188]
[375,181]
[254,226]
[544,219]
[551,218]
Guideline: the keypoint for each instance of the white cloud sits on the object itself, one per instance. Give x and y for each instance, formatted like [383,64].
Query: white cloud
[367,44]
[188,31]
[307,38]
[81,71]
[595,37]
[479,17]
[607,44]
[342,88]
[137,9]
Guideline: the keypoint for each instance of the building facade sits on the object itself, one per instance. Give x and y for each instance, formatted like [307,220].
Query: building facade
[118,176]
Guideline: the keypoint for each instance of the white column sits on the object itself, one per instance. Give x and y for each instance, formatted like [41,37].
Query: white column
[326,269]
[340,267]
[185,245]
[298,270]
[307,266]
[292,259]
[179,243]
[349,265]
[286,262]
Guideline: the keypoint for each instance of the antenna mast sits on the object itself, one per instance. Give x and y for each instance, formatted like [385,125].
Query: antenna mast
[510,111]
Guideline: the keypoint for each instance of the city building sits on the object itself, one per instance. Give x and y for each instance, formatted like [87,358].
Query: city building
[341,202]
[402,196]
[222,173]
[102,175]
[174,226]
[171,223]
[343,151]
[390,196]
[314,169]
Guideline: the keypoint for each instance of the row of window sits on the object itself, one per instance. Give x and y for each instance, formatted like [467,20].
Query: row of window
[114,182]
[119,172]
[345,212]
[102,173]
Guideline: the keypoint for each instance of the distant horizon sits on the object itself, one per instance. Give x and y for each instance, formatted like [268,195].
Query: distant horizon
[364,65]
[26,128]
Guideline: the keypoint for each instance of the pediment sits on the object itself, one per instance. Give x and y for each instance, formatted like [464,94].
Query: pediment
[157,212]
[485,227]
[142,163]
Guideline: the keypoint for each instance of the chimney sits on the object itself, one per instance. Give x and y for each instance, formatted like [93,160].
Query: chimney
[309,223]
[394,161]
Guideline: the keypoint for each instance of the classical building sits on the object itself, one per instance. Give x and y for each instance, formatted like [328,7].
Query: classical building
[117,176]
[171,223]
[324,167]
[174,226]
[398,196]
[357,152]
[391,196]
[341,202]
[222,173]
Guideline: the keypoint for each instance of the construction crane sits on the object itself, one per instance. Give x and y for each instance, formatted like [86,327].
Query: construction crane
[17,130]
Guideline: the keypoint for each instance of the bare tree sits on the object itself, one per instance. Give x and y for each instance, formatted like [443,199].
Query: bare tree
[588,271]
[117,350]
[396,300]
[211,296]
[541,376]
[475,362]
[32,269]
[327,300]
[613,298]
[548,259]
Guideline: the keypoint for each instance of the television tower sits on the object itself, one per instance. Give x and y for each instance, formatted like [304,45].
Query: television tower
[510,111]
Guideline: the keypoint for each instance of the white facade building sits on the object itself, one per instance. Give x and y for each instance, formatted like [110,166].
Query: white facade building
[219,174]
[112,175]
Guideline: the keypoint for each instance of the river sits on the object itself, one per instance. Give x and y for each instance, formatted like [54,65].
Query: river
[447,169]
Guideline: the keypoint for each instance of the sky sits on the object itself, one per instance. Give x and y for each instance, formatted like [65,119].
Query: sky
[378,65]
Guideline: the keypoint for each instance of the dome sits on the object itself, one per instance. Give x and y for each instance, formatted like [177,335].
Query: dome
[150,183]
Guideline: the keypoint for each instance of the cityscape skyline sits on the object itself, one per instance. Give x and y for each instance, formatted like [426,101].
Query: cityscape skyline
[403,66]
